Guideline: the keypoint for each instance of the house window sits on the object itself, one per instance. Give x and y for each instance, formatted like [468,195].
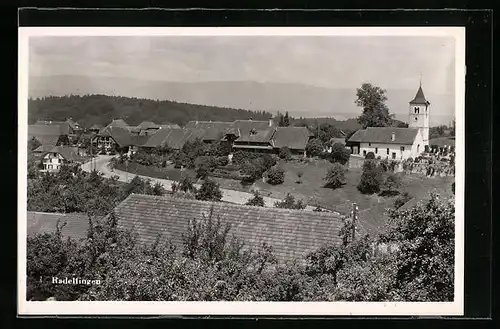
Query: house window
[364,152]
[369,144]
[50,167]
[387,151]
[376,150]
[394,155]
[402,148]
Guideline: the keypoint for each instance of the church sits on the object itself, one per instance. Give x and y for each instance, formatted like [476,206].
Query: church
[396,143]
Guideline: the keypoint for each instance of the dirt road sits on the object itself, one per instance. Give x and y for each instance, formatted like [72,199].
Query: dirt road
[100,163]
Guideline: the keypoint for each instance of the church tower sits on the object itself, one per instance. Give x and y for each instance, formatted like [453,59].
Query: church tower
[419,114]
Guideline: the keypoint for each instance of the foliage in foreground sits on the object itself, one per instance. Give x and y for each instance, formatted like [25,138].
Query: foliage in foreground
[211,264]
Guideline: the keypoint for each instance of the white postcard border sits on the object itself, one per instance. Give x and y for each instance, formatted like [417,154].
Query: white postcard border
[243,308]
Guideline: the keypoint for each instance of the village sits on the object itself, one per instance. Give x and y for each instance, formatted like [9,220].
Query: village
[250,159]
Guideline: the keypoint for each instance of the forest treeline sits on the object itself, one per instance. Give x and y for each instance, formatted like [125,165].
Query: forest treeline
[92,109]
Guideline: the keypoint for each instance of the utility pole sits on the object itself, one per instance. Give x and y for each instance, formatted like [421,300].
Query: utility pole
[354,219]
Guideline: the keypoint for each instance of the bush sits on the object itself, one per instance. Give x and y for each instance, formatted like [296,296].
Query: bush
[209,191]
[339,154]
[390,185]
[402,199]
[256,200]
[290,203]
[335,177]
[252,170]
[268,161]
[240,157]
[186,184]
[384,165]
[285,153]
[371,178]
[370,155]
[222,161]
[276,176]
[314,147]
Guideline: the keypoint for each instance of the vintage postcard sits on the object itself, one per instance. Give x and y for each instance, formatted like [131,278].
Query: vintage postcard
[241,171]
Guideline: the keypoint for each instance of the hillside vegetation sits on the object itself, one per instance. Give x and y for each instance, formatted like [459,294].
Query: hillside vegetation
[92,109]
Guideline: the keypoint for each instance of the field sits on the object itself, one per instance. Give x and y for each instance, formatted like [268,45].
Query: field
[313,192]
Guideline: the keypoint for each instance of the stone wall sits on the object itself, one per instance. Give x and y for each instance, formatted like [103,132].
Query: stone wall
[436,168]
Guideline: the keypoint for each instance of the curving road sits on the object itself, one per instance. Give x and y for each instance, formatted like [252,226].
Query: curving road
[100,163]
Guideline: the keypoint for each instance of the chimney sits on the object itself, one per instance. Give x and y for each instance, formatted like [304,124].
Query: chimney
[393,137]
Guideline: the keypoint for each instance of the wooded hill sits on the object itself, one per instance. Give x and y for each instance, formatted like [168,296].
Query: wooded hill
[92,109]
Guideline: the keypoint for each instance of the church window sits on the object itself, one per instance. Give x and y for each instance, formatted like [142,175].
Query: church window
[402,148]
[376,150]
[416,118]
[417,110]
[387,151]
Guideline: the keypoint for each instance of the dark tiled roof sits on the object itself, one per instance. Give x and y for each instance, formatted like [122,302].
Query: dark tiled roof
[64,127]
[120,135]
[383,135]
[118,123]
[292,233]
[295,138]
[255,136]
[148,125]
[69,153]
[50,140]
[245,126]
[43,148]
[419,97]
[76,226]
[169,125]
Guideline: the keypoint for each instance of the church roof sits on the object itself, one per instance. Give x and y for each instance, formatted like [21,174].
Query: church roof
[419,97]
[383,135]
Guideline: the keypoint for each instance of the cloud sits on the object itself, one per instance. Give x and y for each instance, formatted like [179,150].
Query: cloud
[334,62]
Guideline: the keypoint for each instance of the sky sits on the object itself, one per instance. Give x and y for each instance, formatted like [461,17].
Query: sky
[392,62]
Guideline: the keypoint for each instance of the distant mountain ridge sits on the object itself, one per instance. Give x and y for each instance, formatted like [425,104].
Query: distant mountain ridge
[299,99]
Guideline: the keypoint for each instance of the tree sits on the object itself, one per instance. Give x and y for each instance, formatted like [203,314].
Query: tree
[299,177]
[33,144]
[256,200]
[286,120]
[276,175]
[371,178]
[252,170]
[425,236]
[285,153]
[335,177]
[375,112]
[390,184]
[157,189]
[209,191]
[290,203]
[186,184]
[370,155]
[402,199]
[314,147]
[339,154]
[268,161]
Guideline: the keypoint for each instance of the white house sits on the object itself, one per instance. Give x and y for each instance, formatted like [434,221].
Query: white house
[58,156]
[387,142]
[396,143]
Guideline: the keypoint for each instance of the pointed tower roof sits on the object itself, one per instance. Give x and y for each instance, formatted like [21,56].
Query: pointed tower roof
[419,97]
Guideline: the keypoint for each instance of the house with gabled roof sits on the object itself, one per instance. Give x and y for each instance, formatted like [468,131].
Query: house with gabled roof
[291,233]
[57,156]
[396,143]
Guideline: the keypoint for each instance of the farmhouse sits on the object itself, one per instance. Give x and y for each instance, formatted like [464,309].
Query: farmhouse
[291,233]
[396,143]
[53,159]
[387,142]
[113,138]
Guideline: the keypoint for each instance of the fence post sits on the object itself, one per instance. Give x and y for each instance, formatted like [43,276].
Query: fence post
[354,219]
